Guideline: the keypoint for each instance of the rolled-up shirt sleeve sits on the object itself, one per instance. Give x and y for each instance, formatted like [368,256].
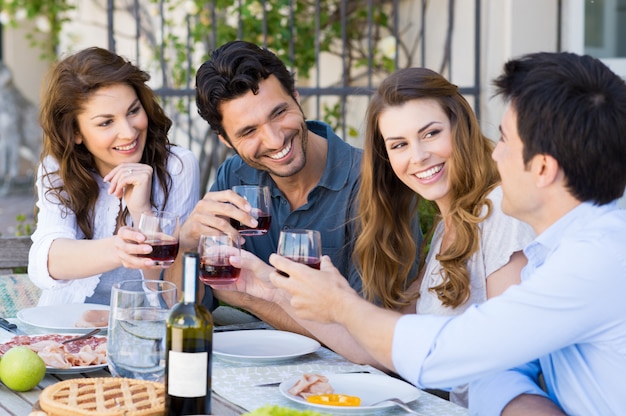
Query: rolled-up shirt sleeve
[52,223]
[413,338]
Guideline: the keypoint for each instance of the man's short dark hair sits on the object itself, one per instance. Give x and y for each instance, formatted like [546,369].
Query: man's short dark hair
[572,108]
[233,70]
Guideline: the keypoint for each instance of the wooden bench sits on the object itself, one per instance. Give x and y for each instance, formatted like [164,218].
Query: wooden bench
[14,253]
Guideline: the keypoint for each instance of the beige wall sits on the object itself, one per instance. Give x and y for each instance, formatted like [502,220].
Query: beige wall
[27,69]
[514,27]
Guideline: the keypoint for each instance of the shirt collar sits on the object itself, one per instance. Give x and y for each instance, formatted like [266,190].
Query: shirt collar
[569,224]
[338,156]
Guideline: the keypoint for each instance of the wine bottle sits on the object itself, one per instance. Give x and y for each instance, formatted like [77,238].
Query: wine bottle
[189,347]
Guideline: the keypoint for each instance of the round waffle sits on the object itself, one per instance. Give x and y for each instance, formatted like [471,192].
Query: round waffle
[107,396]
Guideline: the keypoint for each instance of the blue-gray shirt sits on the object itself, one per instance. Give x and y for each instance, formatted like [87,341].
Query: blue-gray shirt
[330,206]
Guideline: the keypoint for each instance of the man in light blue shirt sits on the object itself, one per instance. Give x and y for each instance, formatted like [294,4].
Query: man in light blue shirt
[562,160]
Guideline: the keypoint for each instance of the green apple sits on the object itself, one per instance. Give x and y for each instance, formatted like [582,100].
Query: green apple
[21,369]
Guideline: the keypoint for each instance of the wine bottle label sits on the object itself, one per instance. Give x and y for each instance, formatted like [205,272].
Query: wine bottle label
[187,374]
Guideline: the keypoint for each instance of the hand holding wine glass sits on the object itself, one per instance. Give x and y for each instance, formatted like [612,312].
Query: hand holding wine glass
[260,200]
[302,246]
[215,251]
[161,229]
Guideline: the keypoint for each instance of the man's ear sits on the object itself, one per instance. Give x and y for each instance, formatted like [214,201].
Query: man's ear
[547,170]
[223,140]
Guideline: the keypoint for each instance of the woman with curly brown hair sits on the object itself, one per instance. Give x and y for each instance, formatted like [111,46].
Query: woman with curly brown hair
[106,158]
[423,141]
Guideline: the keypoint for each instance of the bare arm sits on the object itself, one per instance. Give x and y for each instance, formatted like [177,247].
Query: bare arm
[133,182]
[337,338]
[98,256]
[268,312]
[325,297]
[531,404]
[254,292]
[281,316]
[507,275]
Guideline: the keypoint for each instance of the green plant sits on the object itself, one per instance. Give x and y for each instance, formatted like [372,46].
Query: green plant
[49,17]
[296,30]
[428,213]
[332,117]
[271,23]
[23,228]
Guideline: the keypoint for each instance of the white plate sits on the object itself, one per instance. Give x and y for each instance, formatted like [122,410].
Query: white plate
[261,345]
[59,318]
[77,369]
[369,387]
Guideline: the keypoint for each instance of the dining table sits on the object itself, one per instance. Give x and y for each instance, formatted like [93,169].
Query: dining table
[238,387]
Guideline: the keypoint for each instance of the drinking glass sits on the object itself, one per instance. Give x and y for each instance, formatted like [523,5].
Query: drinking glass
[136,337]
[215,252]
[161,229]
[303,246]
[260,200]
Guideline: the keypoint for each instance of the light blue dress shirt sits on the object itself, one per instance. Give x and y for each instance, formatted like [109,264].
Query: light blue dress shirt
[566,319]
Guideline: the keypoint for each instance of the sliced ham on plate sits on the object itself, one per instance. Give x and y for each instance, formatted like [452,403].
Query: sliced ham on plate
[310,385]
[79,353]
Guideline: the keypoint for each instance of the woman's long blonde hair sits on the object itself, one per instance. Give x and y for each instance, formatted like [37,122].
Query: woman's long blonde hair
[386,247]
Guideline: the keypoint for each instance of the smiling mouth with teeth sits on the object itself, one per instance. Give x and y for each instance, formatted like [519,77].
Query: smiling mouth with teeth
[127,147]
[430,172]
[282,153]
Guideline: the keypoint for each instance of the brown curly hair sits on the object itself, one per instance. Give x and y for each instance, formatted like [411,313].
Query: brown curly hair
[70,84]
[385,248]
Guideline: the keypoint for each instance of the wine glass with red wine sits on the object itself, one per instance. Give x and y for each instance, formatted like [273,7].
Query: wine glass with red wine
[260,200]
[161,229]
[215,252]
[302,246]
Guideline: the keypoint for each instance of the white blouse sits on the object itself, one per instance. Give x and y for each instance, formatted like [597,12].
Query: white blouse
[53,222]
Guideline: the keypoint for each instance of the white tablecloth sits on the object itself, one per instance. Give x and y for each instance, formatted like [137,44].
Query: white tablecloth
[236,381]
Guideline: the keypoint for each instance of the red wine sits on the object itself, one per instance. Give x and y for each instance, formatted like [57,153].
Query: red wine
[216,274]
[189,350]
[261,228]
[162,250]
[309,261]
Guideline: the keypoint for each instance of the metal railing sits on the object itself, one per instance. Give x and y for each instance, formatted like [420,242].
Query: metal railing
[359,27]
